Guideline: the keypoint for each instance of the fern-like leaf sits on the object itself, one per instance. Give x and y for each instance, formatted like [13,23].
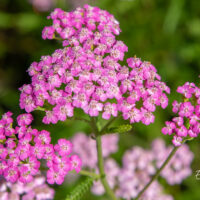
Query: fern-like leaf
[124,128]
[80,190]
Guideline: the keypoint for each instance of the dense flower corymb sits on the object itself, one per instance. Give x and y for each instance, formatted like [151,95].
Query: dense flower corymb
[86,73]
[22,148]
[187,124]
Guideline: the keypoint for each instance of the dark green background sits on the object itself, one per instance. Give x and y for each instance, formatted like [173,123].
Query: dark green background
[167,33]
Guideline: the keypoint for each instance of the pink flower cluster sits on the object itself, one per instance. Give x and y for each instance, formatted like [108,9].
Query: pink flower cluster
[37,189]
[187,124]
[22,148]
[86,72]
[78,26]
[138,166]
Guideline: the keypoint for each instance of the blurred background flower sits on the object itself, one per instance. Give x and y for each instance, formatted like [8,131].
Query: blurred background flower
[42,5]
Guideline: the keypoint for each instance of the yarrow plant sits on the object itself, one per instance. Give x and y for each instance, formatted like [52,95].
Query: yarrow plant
[89,73]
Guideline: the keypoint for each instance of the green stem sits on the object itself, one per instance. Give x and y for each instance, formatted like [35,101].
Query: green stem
[107,125]
[101,161]
[94,126]
[157,173]
[101,169]
[90,174]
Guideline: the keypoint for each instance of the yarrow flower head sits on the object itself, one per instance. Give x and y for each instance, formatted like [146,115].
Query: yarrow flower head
[86,73]
[187,124]
[22,148]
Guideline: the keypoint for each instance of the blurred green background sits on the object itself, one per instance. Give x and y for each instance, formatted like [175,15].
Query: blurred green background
[167,33]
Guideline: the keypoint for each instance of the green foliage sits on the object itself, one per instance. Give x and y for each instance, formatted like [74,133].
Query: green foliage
[124,128]
[80,190]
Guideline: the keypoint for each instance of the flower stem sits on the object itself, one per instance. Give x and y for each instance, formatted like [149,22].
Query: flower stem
[101,169]
[157,173]
[103,179]
[107,125]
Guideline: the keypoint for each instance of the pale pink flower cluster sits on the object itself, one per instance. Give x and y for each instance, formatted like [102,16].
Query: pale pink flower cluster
[155,192]
[37,189]
[23,148]
[178,167]
[187,124]
[42,5]
[86,73]
[85,148]
[112,171]
[138,166]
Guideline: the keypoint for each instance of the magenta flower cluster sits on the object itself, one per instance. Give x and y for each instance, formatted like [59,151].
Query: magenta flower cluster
[86,73]
[23,148]
[138,166]
[37,189]
[187,124]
